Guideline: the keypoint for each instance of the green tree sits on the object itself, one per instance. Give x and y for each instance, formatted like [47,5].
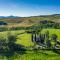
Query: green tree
[47,38]
[54,40]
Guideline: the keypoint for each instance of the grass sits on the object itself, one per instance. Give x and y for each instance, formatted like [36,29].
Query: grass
[40,56]
[25,39]
[43,55]
[16,32]
[53,31]
[22,37]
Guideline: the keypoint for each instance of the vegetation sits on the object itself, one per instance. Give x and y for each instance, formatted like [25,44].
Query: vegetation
[33,38]
[22,38]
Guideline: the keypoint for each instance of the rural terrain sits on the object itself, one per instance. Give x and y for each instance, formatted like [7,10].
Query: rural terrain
[30,38]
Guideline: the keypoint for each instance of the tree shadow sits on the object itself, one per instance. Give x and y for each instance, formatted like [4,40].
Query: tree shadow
[17,48]
[9,48]
[56,51]
[12,49]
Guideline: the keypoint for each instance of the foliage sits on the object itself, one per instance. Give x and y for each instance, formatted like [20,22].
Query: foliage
[8,47]
[14,49]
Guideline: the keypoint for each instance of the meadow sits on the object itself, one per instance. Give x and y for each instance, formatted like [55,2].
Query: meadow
[53,31]
[24,39]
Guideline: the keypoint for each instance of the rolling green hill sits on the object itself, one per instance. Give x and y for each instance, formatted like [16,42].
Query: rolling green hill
[29,21]
[24,38]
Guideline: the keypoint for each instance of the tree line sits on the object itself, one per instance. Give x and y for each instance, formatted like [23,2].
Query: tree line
[41,25]
[44,40]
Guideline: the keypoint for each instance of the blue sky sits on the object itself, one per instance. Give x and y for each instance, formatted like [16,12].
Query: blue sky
[29,7]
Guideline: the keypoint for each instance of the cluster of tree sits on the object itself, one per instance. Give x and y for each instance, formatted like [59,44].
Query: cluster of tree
[8,47]
[45,24]
[3,23]
[17,28]
[49,24]
[42,24]
[44,40]
[4,28]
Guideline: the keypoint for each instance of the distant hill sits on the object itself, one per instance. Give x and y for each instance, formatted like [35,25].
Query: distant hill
[2,16]
[11,16]
[29,21]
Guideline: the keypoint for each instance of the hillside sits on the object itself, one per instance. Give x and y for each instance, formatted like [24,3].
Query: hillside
[29,21]
[34,43]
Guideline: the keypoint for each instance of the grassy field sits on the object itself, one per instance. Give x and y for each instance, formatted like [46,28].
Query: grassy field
[42,55]
[53,31]
[22,37]
[16,32]
[25,39]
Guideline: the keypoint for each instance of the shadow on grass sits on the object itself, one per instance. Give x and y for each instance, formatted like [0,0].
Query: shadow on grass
[56,51]
[12,49]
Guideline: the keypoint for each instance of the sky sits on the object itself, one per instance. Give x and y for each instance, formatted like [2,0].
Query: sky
[29,7]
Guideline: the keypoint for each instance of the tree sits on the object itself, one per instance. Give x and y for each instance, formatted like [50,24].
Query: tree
[12,46]
[54,37]
[46,37]
[32,37]
[42,38]
[48,44]
[3,45]
[54,40]
[11,38]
